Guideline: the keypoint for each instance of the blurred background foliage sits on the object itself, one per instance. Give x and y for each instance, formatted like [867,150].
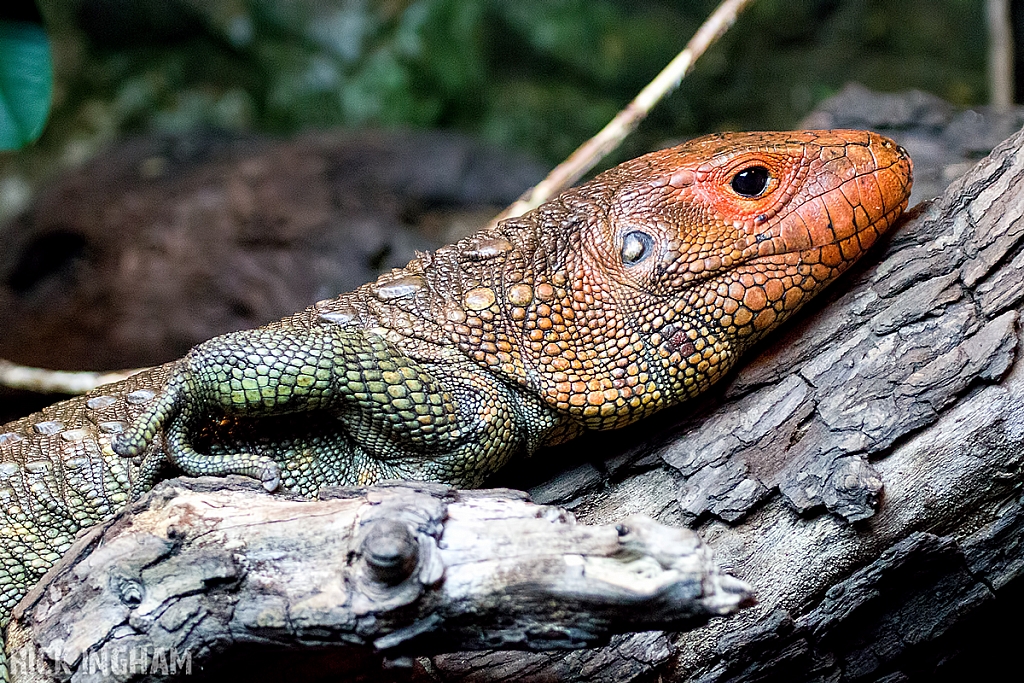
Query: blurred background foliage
[26,74]
[536,75]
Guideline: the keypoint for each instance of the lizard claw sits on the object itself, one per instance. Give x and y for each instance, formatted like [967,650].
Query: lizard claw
[271,477]
[181,454]
[138,437]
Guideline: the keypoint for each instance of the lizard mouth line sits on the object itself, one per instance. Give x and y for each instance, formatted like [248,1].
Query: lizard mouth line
[888,217]
[693,279]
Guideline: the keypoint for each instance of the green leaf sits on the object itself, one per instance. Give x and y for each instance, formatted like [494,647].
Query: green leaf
[26,82]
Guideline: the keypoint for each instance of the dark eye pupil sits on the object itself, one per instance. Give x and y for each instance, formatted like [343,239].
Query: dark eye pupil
[751,182]
[636,246]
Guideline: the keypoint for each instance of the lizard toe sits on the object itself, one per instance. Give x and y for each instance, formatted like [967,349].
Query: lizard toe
[271,477]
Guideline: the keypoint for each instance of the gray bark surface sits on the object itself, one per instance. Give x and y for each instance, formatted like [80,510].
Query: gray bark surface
[393,570]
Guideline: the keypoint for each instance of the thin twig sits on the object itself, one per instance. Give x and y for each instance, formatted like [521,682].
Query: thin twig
[625,122]
[44,381]
[1000,54]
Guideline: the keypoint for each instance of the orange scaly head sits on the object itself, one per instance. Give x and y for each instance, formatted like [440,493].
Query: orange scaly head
[696,252]
[720,201]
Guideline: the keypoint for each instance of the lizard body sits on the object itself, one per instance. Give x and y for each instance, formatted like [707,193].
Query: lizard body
[632,292]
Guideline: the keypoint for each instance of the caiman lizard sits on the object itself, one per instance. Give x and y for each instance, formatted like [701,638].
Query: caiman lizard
[627,294]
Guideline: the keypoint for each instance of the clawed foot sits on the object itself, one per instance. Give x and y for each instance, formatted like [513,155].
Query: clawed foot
[182,455]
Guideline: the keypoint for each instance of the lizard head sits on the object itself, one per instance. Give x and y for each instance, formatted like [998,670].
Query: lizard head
[642,287]
[708,246]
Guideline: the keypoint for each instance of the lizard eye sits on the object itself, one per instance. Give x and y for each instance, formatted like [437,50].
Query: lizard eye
[636,246]
[751,182]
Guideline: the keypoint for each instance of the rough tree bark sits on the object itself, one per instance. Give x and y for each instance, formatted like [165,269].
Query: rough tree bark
[396,570]
[862,473]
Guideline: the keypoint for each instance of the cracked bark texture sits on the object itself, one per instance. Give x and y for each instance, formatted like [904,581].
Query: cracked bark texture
[862,473]
[391,571]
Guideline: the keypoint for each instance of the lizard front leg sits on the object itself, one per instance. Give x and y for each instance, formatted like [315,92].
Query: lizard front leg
[400,420]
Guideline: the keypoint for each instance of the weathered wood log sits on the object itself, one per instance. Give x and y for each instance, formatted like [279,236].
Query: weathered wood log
[863,473]
[402,569]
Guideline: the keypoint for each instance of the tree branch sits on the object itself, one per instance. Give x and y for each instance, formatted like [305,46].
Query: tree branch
[401,569]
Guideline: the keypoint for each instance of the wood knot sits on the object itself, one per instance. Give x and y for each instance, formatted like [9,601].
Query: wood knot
[128,590]
[390,551]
